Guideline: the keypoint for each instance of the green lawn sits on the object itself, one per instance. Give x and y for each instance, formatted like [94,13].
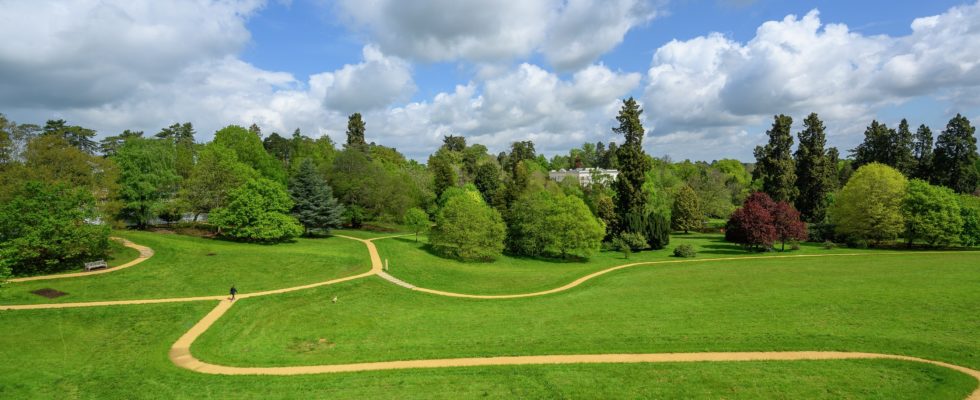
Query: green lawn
[184,266]
[121,353]
[924,305]
[411,262]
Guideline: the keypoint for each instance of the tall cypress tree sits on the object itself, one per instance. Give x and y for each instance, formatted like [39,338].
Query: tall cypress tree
[355,131]
[955,158]
[902,149]
[774,161]
[812,176]
[922,152]
[313,202]
[633,163]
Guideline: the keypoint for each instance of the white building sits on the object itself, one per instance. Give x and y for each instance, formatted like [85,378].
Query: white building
[585,176]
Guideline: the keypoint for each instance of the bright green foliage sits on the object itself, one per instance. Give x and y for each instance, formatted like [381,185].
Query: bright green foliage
[370,189]
[970,214]
[248,147]
[628,242]
[553,224]
[633,162]
[355,132]
[659,186]
[774,166]
[686,214]
[418,221]
[922,153]
[932,214]
[147,178]
[313,203]
[216,173]
[257,211]
[109,145]
[468,229]
[46,228]
[443,174]
[813,170]
[685,251]
[182,137]
[869,205]
[955,158]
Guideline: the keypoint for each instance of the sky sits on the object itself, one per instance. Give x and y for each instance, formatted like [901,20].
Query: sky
[710,75]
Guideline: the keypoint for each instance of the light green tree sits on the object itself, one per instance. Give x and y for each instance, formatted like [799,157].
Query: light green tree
[468,229]
[418,221]
[257,211]
[931,213]
[147,178]
[554,224]
[970,214]
[216,173]
[869,205]
[686,214]
[248,147]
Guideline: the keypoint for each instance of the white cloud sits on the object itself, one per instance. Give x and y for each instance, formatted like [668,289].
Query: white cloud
[497,30]
[375,83]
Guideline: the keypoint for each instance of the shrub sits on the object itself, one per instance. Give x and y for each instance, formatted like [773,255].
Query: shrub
[627,242]
[257,211]
[794,246]
[685,251]
[828,245]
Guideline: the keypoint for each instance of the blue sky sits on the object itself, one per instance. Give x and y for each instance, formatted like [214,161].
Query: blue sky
[710,74]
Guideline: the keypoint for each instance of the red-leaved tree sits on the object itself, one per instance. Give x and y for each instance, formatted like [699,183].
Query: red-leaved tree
[752,225]
[786,221]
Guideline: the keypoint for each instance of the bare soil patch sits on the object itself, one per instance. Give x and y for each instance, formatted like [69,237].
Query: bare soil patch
[49,293]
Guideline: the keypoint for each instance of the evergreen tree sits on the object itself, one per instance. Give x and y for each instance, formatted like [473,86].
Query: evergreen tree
[833,169]
[774,162]
[633,161]
[487,181]
[454,143]
[903,148]
[922,152]
[74,134]
[955,158]
[355,131]
[686,214]
[313,202]
[878,146]
[813,180]
[255,130]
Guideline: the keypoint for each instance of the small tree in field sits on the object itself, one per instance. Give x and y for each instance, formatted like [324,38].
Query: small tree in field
[788,225]
[257,211]
[313,202]
[869,205]
[468,229]
[418,220]
[687,214]
[627,242]
[752,225]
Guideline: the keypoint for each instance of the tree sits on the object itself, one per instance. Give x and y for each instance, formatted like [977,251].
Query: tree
[280,148]
[869,205]
[903,147]
[216,174]
[454,143]
[970,214]
[813,180]
[686,214]
[443,174]
[313,203]
[257,211]
[468,229]
[788,225]
[922,153]
[628,242]
[77,136]
[553,224]
[752,225]
[931,213]
[47,227]
[355,132]
[418,221]
[248,147]
[633,163]
[147,178]
[488,182]
[955,157]
[109,145]
[774,162]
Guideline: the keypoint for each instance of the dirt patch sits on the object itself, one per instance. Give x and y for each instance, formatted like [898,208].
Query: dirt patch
[211,254]
[49,293]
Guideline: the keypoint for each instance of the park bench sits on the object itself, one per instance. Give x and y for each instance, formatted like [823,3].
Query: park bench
[96,265]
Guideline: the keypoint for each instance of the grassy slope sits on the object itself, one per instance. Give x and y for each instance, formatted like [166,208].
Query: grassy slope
[921,305]
[182,268]
[411,262]
[121,353]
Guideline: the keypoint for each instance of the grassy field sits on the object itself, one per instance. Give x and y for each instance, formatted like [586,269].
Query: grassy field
[121,353]
[185,266]
[412,262]
[921,305]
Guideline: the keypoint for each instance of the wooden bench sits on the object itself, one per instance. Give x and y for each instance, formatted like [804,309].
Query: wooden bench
[96,265]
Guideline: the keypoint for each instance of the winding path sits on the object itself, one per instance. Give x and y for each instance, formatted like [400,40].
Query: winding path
[180,352]
[145,253]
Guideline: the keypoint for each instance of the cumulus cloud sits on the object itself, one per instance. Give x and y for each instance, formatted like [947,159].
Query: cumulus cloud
[712,85]
[497,30]
[88,52]
[375,83]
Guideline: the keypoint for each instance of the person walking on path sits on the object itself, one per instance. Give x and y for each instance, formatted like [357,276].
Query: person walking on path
[233,292]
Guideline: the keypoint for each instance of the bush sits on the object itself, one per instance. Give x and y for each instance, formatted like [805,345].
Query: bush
[821,232]
[685,251]
[828,245]
[257,211]
[627,242]
[655,228]
[794,246]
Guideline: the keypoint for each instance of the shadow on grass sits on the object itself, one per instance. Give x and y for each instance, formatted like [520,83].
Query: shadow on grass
[428,248]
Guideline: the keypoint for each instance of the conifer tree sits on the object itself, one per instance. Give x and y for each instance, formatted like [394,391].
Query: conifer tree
[813,180]
[955,157]
[774,162]
[633,162]
[313,202]
[903,148]
[686,214]
[922,152]
[355,131]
